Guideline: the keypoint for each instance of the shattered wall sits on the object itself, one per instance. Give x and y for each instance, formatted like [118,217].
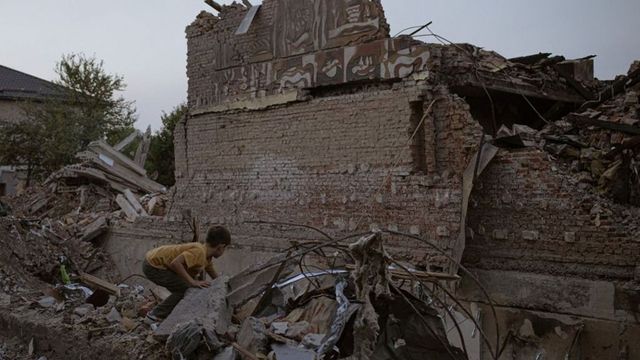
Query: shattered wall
[529,214]
[559,262]
[365,140]
[350,130]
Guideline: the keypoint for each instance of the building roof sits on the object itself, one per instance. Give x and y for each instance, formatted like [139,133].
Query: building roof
[17,85]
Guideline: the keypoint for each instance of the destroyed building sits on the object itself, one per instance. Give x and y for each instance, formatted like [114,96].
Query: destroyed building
[522,171]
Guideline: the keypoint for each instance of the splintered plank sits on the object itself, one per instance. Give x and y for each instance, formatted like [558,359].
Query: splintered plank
[97,283]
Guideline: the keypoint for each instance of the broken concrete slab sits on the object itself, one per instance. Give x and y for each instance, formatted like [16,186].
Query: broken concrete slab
[313,341]
[185,340]
[254,281]
[229,353]
[209,306]
[83,310]
[279,328]
[287,352]
[133,200]
[253,336]
[95,229]
[299,330]
[126,206]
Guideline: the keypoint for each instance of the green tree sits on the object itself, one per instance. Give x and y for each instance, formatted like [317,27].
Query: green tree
[19,147]
[88,109]
[102,113]
[161,159]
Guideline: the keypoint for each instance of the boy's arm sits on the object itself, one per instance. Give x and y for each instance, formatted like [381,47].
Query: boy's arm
[178,265]
[211,271]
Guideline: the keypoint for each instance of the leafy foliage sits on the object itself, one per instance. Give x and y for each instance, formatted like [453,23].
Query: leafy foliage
[161,160]
[90,109]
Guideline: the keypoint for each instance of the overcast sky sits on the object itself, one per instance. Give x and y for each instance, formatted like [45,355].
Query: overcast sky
[143,40]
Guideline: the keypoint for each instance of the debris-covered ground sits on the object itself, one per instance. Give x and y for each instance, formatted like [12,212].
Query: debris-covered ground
[51,256]
[335,298]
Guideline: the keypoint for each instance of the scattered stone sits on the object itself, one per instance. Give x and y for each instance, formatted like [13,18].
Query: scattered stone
[287,352]
[228,353]
[83,310]
[47,302]
[298,330]
[313,341]
[279,328]
[631,98]
[188,337]
[206,305]
[128,324]
[252,336]
[114,316]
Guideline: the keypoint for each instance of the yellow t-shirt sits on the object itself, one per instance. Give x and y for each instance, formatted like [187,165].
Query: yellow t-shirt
[195,256]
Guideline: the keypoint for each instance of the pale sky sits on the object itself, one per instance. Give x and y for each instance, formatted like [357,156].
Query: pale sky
[144,41]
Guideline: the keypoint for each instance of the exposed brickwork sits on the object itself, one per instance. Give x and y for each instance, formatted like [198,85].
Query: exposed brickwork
[329,162]
[340,154]
[527,215]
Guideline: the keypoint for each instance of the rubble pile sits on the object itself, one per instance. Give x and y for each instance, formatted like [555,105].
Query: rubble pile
[52,266]
[600,143]
[352,305]
[79,321]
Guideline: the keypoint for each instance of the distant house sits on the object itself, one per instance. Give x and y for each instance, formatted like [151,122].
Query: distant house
[18,89]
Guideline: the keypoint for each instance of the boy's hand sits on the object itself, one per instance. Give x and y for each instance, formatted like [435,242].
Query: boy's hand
[201,284]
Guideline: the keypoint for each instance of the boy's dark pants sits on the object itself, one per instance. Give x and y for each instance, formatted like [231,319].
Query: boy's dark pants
[167,279]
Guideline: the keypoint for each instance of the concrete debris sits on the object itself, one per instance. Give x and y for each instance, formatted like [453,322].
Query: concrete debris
[185,340]
[229,353]
[252,336]
[279,328]
[114,316]
[286,352]
[500,198]
[208,306]
[298,331]
[47,302]
[83,310]
[371,284]
[313,341]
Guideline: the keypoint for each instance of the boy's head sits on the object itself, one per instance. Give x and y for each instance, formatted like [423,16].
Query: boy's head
[218,237]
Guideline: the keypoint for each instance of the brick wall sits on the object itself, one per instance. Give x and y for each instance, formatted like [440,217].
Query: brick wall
[528,214]
[342,162]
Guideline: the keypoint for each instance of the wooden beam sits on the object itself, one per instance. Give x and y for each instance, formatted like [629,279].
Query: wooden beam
[97,283]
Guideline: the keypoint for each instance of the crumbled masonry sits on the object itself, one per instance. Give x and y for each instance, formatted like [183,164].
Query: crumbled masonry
[387,198]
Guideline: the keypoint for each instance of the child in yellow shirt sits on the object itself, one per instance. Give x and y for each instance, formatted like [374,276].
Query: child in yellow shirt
[178,267]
